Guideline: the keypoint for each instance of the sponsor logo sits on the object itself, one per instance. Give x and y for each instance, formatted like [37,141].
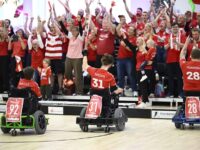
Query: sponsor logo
[55,110]
[158,114]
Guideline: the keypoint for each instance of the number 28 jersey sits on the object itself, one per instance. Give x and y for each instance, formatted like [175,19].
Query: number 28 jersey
[100,78]
[191,75]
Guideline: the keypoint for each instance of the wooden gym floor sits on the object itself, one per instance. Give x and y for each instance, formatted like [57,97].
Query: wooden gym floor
[140,134]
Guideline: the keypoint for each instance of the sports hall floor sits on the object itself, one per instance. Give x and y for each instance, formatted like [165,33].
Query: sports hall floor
[139,134]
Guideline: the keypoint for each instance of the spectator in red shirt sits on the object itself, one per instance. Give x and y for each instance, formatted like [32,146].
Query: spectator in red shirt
[17,44]
[27,82]
[37,54]
[102,82]
[191,71]
[173,45]
[194,42]
[45,80]
[3,60]
[125,58]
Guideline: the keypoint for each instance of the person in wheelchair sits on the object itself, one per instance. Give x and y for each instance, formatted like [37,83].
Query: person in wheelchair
[190,70]
[29,90]
[27,82]
[102,82]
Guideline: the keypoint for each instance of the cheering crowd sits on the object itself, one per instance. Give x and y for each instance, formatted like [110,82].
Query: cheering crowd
[144,49]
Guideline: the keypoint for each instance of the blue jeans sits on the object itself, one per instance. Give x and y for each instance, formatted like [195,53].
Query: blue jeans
[125,67]
[161,54]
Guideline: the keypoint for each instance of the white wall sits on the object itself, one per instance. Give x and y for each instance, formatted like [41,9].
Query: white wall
[40,7]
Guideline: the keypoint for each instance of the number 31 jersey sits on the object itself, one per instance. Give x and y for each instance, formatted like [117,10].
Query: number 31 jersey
[100,78]
[191,75]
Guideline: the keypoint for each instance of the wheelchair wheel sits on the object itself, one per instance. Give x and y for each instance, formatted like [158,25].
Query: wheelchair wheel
[5,130]
[84,128]
[177,125]
[40,122]
[121,119]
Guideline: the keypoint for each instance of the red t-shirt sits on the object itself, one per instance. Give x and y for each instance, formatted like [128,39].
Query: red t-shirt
[173,53]
[76,21]
[91,52]
[161,34]
[95,21]
[3,48]
[150,56]
[124,52]
[105,42]
[24,83]
[190,48]
[100,78]
[140,58]
[191,75]
[45,76]
[37,58]
[17,48]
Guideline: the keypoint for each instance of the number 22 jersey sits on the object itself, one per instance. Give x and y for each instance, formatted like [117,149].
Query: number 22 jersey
[100,78]
[191,75]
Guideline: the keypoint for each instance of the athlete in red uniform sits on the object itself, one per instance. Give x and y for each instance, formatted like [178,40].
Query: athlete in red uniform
[191,71]
[27,82]
[102,82]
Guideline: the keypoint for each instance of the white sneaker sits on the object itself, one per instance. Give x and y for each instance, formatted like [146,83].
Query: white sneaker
[148,104]
[144,77]
[128,92]
[141,105]
[135,94]
[85,73]
[151,95]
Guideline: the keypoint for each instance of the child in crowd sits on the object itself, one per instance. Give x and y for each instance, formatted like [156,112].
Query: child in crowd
[45,80]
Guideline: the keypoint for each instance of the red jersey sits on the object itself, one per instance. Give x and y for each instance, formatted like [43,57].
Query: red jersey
[76,21]
[95,21]
[124,52]
[92,53]
[45,76]
[140,58]
[173,52]
[105,42]
[191,75]
[190,47]
[17,48]
[37,58]
[24,83]
[150,57]
[3,48]
[101,79]
[161,38]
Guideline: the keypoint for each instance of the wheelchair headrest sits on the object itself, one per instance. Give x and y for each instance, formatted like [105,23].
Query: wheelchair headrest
[24,93]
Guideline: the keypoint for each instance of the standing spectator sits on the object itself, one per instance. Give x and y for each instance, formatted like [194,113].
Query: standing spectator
[173,45]
[105,39]
[3,60]
[194,42]
[37,53]
[54,52]
[91,43]
[125,58]
[45,80]
[74,55]
[17,44]
[9,27]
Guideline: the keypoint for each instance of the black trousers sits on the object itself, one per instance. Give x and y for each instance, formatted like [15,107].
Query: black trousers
[4,73]
[174,72]
[15,76]
[147,86]
[106,101]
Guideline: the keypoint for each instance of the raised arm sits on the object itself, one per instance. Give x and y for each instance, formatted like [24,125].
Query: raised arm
[184,49]
[25,26]
[127,9]
[31,23]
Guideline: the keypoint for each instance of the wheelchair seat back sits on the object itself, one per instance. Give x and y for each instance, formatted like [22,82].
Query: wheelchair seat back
[30,99]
